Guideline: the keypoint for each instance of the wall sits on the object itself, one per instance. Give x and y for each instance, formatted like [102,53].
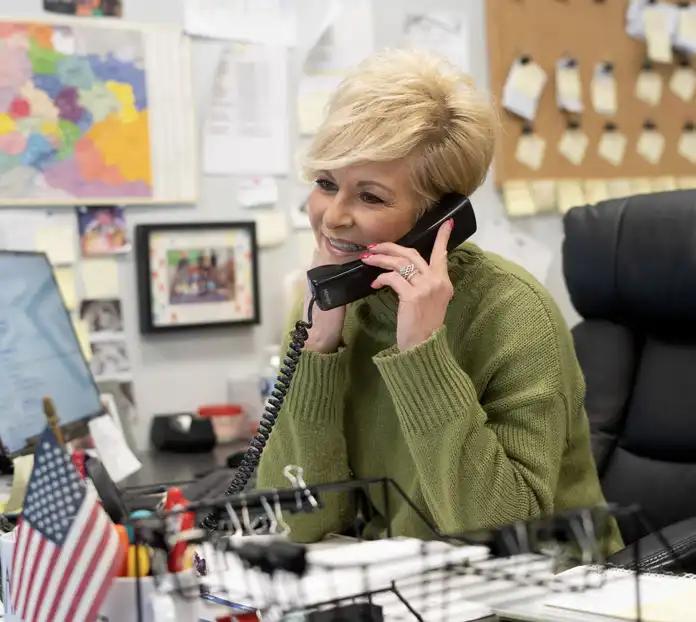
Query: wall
[179,372]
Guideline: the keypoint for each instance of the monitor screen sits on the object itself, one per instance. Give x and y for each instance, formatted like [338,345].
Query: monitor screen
[40,355]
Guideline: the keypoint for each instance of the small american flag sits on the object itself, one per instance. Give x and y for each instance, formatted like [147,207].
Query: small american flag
[67,548]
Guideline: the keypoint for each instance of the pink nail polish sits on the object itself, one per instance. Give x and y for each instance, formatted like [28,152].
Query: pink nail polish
[364,255]
[371,245]
[450,222]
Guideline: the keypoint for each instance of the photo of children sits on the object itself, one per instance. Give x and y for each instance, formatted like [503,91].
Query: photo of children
[201,275]
[102,230]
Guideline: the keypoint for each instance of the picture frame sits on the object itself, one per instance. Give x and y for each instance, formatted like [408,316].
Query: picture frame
[197,275]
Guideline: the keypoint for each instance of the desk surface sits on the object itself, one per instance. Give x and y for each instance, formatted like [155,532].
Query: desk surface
[164,467]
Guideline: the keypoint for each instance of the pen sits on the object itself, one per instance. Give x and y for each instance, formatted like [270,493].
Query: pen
[179,522]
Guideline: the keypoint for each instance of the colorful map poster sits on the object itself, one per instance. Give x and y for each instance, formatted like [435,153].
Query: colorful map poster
[74,110]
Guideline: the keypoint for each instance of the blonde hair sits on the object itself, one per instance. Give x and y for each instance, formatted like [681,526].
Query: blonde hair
[408,104]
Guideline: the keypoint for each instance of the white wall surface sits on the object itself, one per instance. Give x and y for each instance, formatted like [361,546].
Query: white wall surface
[178,372]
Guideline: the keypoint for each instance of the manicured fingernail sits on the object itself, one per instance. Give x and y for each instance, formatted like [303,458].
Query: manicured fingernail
[450,222]
[371,245]
[365,255]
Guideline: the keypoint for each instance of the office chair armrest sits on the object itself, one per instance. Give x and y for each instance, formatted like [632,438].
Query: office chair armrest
[655,556]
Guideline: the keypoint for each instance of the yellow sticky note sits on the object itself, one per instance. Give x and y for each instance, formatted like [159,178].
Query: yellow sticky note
[570,194]
[619,188]
[311,110]
[686,26]
[603,94]
[641,185]
[65,278]
[518,199]
[543,194]
[82,333]
[657,35]
[271,228]
[651,145]
[683,83]
[100,278]
[58,242]
[686,183]
[596,190]
[528,79]
[530,150]
[612,147]
[687,146]
[649,87]
[573,145]
[23,466]
[663,184]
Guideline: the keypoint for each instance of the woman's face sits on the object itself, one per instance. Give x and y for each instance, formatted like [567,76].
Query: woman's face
[352,207]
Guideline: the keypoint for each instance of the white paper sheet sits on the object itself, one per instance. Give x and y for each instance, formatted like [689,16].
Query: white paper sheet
[246,129]
[298,210]
[113,450]
[349,39]
[499,237]
[258,21]
[444,33]
[257,191]
[343,37]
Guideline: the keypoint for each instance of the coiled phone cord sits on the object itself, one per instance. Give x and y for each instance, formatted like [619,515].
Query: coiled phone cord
[252,457]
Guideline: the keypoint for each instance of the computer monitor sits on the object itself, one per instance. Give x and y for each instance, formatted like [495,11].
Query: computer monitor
[40,355]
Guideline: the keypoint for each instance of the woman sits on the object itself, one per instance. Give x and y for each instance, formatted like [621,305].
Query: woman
[457,378]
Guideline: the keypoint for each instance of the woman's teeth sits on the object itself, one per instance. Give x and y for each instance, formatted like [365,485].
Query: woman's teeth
[346,246]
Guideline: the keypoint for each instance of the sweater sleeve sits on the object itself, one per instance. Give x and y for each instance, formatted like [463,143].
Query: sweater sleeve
[309,433]
[480,464]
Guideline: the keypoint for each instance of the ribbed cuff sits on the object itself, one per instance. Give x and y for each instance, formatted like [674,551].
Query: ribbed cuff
[318,386]
[426,384]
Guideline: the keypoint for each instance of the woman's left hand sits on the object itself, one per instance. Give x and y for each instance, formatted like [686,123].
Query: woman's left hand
[424,296]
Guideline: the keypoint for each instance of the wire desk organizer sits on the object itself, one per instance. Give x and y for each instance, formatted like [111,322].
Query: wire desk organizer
[432,579]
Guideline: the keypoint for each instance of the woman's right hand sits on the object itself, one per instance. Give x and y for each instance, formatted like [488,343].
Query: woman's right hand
[326,333]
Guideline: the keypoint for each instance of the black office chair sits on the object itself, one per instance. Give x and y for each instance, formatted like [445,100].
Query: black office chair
[630,269]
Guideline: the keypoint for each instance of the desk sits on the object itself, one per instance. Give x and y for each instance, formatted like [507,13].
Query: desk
[159,467]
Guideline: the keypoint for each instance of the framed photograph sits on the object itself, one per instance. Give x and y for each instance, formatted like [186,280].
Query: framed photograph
[197,275]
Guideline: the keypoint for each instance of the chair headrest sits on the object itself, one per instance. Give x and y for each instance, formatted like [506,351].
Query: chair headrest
[633,261]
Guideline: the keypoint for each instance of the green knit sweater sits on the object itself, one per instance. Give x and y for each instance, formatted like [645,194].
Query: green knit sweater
[480,425]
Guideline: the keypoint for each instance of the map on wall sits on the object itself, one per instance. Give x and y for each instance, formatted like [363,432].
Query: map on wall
[73,113]
[95,113]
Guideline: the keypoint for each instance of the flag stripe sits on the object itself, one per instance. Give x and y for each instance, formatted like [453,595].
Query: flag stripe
[61,575]
[55,556]
[106,585]
[32,545]
[36,576]
[20,545]
[88,591]
[86,551]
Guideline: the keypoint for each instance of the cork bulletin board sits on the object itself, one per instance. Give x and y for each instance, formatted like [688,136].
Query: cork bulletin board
[590,31]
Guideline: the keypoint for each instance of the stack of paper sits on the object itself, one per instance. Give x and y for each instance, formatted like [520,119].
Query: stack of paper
[349,570]
[663,598]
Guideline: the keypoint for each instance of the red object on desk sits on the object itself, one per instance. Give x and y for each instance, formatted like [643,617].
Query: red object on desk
[78,459]
[182,522]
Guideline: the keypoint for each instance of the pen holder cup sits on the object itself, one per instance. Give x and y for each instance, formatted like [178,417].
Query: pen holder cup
[121,601]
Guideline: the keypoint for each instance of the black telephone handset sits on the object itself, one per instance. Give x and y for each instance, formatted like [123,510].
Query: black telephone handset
[336,285]
[333,286]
